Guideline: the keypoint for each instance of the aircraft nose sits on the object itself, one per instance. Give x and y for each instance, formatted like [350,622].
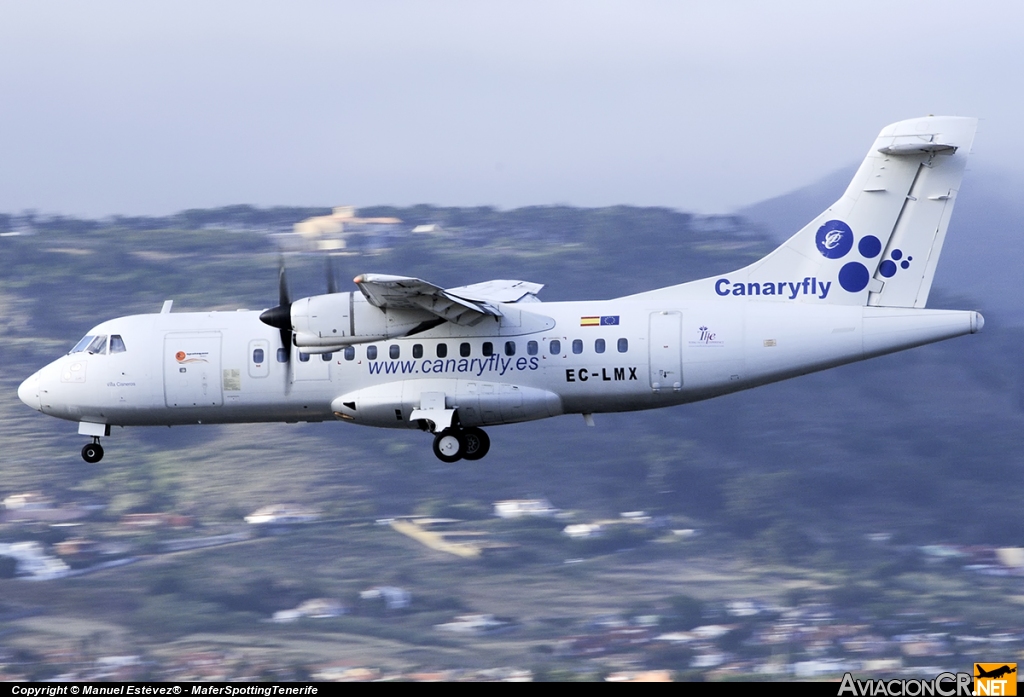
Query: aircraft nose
[28,392]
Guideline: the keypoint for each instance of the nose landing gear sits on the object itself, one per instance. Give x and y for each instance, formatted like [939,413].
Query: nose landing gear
[453,444]
[93,452]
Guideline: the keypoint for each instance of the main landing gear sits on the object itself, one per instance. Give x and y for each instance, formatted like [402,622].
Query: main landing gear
[93,452]
[453,444]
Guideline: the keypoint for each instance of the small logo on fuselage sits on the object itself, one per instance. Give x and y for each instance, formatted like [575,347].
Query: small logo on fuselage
[196,357]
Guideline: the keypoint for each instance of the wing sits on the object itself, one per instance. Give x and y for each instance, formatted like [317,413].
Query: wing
[465,305]
[499,291]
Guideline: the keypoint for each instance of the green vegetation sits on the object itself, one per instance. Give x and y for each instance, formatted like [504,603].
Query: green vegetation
[783,482]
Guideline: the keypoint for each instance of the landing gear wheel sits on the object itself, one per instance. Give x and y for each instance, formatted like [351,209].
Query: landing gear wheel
[477,443]
[92,453]
[449,445]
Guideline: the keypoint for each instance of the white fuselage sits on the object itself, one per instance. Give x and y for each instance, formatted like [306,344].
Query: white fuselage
[404,353]
[666,347]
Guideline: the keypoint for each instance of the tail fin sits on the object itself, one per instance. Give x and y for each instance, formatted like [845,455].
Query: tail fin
[879,244]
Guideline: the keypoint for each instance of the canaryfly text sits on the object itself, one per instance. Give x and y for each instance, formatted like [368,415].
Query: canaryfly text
[473,366]
[809,286]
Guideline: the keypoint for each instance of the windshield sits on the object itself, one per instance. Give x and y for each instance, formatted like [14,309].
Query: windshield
[80,346]
[91,344]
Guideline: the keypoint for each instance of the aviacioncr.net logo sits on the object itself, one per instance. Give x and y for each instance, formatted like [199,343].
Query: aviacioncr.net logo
[943,685]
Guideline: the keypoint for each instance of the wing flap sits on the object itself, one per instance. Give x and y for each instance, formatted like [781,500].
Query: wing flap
[406,293]
[499,291]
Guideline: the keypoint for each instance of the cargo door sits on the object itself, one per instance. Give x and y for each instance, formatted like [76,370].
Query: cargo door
[192,370]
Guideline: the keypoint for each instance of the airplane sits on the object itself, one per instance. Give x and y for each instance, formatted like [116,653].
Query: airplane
[994,673]
[399,352]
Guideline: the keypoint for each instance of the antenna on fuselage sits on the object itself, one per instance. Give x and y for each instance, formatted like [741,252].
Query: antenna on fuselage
[166,309]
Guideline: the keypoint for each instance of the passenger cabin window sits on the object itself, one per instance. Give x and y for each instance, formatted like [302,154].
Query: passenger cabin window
[371,353]
[623,345]
[417,350]
[599,345]
[488,348]
[304,357]
[531,348]
[282,355]
[465,349]
[577,345]
[394,351]
[442,350]
[258,356]
[555,347]
[325,357]
[510,348]
[350,353]
[117,344]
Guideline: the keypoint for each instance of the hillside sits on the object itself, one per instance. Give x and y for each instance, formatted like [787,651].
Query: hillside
[924,445]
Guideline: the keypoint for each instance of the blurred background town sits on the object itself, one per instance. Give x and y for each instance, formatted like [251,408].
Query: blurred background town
[864,519]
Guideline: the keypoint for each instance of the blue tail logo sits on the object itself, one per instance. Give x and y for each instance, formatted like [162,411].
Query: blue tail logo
[835,240]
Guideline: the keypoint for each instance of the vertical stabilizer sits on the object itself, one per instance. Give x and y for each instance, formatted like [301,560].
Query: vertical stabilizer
[878,244]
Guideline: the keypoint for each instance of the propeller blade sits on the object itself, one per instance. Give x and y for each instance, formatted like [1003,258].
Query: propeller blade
[280,317]
[282,286]
[288,364]
[332,285]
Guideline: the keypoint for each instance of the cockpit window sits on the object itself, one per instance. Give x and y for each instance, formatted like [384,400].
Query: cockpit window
[98,345]
[94,344]
[80,346]
[117,344]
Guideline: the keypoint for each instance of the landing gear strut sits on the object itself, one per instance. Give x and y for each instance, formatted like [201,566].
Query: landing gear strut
[453,444]
[93,452]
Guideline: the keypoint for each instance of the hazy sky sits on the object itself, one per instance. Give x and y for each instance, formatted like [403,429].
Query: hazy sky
[152,107]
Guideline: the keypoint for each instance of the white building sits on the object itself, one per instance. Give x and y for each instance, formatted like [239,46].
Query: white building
[281,514]
[329,232]
[33,562]
[519,508]
[394,598]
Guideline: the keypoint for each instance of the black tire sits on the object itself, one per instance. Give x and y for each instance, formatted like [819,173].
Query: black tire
[449,445]
[477,443]
[92,453]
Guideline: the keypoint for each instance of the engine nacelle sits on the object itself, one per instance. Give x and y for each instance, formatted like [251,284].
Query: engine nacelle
[341,319]
[477,403]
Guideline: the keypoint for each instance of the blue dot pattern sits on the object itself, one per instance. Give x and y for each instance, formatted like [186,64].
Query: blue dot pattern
[835,239]
[869,247]
[853,277]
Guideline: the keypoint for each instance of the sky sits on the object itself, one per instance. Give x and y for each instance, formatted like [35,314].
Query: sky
[149,108]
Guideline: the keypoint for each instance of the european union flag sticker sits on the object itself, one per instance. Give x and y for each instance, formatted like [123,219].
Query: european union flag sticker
[609,320]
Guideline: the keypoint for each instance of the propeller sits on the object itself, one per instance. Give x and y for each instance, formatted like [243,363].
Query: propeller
[280,317]
[332,285]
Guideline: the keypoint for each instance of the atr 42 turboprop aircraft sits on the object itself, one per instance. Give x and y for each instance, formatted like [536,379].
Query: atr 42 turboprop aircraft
[403,353]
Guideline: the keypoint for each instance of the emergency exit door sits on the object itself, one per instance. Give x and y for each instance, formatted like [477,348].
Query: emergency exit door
[666,351]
